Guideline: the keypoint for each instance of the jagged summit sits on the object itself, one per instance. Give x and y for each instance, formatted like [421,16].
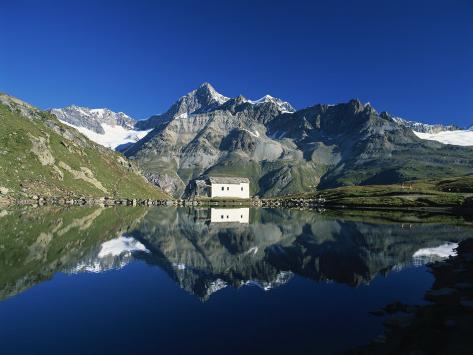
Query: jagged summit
[284,106]
[206,89]
[206,99]
[206,85]
[240,99]
[207,96]
[203,99]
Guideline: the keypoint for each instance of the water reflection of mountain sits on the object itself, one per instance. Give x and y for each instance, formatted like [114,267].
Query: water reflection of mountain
[204,257]
[266,249]
[36,243]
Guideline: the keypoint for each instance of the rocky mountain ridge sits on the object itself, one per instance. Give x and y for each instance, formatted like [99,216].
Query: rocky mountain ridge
[280,149]
[284,151]
[425,127]
[92,118]
[96,123]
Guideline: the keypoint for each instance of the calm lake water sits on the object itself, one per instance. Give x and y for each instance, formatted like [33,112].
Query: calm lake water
[194,281]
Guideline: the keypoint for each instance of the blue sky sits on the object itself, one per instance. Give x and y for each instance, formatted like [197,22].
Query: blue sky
[411,58]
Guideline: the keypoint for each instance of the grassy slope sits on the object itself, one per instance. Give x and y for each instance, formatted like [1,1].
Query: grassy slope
[423,193]
[21,170]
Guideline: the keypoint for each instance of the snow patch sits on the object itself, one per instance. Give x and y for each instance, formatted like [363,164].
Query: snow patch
[283,106]
[281,278]
[253,250]
[265,98]
[183,115]
[442,251]
[215,286]
[121,245]
[114,135]
[220,98]
[254,134]
[459,137]
[179,266]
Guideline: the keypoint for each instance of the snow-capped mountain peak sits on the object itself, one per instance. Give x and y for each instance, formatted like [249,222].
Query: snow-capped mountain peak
[283,106]
[446,134]
[101,125]
[92,118]
[216,96]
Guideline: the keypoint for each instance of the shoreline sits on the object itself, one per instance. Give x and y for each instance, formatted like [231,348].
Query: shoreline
[281,202]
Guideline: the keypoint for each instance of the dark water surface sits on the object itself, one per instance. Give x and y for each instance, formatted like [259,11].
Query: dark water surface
[167,281]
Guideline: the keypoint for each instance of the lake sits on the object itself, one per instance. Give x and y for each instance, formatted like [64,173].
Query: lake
[192,281]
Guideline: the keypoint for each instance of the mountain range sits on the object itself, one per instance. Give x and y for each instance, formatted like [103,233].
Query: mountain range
[280,149]
[285,151]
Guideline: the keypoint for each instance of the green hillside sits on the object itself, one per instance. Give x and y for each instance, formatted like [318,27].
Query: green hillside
[41,156]
[450,192]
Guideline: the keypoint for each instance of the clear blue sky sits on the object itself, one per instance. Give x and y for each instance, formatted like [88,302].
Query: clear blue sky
[412,58]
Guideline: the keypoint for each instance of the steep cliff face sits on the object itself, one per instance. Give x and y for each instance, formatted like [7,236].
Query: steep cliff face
[284,151]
